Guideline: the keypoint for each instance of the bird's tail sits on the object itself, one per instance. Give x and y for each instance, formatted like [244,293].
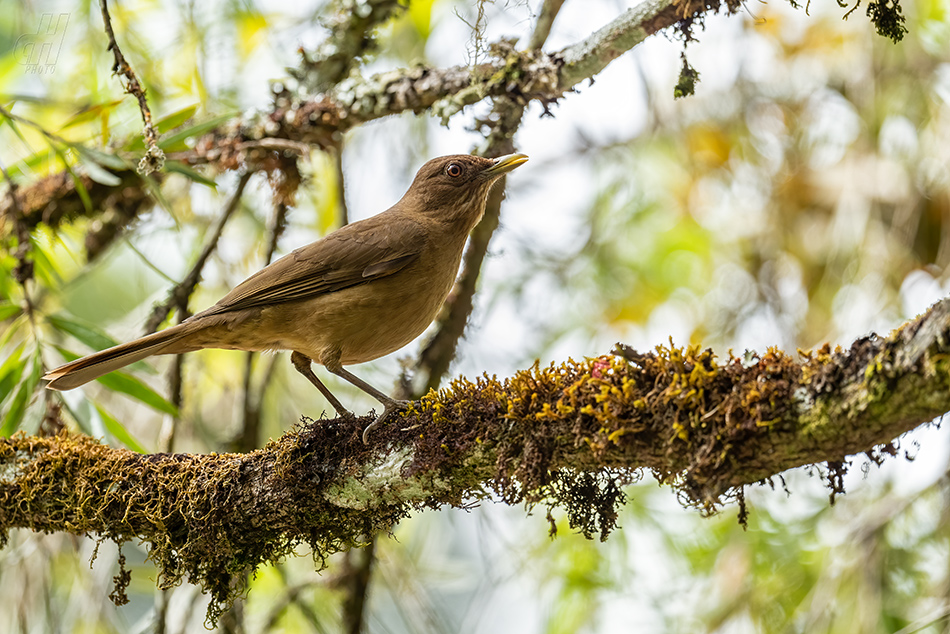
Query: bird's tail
[80,371]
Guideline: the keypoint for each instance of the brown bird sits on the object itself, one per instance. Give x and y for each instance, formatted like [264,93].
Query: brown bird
[363,291]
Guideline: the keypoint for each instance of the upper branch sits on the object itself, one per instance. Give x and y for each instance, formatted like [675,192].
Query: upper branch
[267,140]
[154,158]
[350,38]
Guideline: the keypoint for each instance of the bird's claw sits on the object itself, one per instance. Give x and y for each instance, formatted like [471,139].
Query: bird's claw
[390,407]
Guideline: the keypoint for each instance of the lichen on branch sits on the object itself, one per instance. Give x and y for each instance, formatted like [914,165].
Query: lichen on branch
[567,435]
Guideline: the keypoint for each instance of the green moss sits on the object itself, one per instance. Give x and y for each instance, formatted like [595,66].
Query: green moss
[566,435]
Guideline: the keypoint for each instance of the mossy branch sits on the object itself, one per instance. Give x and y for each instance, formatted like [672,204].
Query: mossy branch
[567,435]
[351,25]
[269,140]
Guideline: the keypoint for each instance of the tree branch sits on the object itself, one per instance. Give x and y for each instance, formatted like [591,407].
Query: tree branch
[179,295]
[294,124]
[542,26]
[350,38]
[154,158]
[502,124]
[566,435]
[438,352]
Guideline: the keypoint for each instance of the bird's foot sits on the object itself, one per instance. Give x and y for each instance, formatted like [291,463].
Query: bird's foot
[390,406]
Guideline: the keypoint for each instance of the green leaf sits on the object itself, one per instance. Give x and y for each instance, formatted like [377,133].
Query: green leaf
[136,389]
[81,408]
[14,415]
[189,173]
[11,330]
[118,431]
[10,122]
[175,119]
[80,188]
[95,163]
[10,372]
[176,142]
[38,162]
[92,337]
[45,269]
[127,384]
[156,191]
[98,173]
[9,309]
[112,161]
[166,123]
[90,114]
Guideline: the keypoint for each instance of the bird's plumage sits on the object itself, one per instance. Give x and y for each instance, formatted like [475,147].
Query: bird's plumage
[355,254]
[363,291]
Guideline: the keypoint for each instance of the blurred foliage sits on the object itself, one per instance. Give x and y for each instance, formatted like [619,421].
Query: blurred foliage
[799,203]
[802,195]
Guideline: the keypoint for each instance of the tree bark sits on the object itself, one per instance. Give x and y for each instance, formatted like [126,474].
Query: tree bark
[273,140]
[567,435]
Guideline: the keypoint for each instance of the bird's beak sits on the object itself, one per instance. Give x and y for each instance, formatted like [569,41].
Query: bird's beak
[504,164]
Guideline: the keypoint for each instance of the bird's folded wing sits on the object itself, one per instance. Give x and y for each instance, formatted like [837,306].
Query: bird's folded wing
[353,255]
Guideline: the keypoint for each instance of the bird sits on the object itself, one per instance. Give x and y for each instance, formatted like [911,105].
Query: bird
[363,291]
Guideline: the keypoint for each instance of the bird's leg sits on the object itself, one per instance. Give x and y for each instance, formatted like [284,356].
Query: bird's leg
[302,364]
[390,404]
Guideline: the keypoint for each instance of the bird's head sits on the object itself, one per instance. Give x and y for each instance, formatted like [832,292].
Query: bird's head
[456,187]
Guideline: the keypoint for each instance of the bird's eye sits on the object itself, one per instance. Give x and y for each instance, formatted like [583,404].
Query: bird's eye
[453,170]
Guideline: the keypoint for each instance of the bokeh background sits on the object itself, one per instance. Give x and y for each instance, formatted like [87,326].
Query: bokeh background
[801,196]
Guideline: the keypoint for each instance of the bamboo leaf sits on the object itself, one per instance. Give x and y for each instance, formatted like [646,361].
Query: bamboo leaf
[98,173]
[156,191]
[112,161]
[175,119]
[14,415]
[118,431]
[189,173]
[92,337]
[136,389]
[80,187]
[176,142]
[90,114]
[10,372]
[9,309]
[132,387]
[87,416]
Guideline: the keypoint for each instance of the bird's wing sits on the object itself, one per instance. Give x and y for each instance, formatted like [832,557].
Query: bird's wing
[355,254]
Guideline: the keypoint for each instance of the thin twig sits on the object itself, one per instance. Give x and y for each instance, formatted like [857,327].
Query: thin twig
[154,158]
[14,202]
[337,157]
[248,438]
[321,119]
[437,355]
[178,296]
[291,596]
[168,432]
[355,577]
[276,229]
[542,27]
[351,38]
[178,299]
